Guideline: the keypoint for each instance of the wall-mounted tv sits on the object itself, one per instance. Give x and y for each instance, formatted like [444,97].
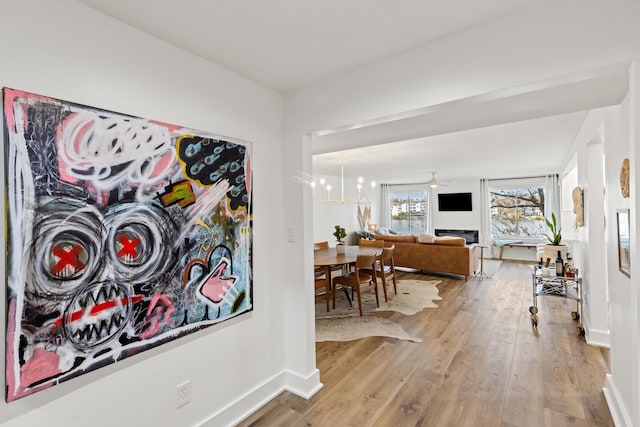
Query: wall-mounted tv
[449,202]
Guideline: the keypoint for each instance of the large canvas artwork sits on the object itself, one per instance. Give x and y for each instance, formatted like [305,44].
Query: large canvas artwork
[122,234]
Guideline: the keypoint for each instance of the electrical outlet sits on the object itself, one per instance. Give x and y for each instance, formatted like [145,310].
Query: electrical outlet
[183,393]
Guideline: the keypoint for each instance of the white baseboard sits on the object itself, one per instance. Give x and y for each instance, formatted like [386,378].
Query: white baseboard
[619,413]
[304,387]
[254,399]
[598,338]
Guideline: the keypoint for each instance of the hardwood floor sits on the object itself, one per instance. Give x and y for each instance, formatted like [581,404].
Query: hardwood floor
[480,364]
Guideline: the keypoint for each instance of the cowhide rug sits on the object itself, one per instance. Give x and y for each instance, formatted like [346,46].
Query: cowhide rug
[345,324]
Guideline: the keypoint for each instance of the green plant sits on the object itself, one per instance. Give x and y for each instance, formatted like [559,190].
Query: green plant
[556,236]
[340,233]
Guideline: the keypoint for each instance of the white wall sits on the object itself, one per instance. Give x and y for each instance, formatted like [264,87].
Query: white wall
[545,40]
[458,220]
[623,337]
[66,50]
[587,246]
[569,181]
[328,215]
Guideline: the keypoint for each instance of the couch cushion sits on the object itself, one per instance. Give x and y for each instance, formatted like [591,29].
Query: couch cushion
[382,230]
[396,238]
[450,241]
[427,238]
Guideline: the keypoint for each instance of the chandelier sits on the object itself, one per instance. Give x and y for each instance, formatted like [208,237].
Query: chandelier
[325,189]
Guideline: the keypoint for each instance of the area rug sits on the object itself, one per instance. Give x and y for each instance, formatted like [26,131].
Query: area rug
[353,328]
[345,324]
[413,296]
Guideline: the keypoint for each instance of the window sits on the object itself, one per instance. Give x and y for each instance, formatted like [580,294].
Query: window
[408,212]
[517,212]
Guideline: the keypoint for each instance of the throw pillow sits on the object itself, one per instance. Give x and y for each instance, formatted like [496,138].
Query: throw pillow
[426,238]
[450,241]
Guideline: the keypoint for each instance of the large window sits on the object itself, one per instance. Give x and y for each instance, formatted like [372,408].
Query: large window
[517,212]
[408,212]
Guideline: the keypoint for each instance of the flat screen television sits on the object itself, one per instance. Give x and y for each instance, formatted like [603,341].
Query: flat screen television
[449,202]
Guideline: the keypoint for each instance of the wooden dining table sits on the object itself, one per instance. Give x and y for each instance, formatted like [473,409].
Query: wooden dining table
[329,257]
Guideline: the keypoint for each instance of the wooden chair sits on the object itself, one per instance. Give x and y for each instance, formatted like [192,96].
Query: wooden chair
[325,245]
[378,244]
[321,245]
[323,282]
[386,269]
[358,280]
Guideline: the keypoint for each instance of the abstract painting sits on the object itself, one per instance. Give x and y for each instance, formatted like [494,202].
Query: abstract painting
[123,233]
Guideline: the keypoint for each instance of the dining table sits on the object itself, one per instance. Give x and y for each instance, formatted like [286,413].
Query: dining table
[328,257]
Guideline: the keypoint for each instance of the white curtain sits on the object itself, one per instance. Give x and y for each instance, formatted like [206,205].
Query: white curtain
[385,211]
[552,197]
[430,209]
[485,218]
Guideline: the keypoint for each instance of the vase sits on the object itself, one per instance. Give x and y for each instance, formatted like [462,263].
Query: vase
[340,248]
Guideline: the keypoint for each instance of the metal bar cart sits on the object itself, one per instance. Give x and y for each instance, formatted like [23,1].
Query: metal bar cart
[558,286]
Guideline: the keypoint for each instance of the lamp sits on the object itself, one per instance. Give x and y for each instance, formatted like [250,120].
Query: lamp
[360,199]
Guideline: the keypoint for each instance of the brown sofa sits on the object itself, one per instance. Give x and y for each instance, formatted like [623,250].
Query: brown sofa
[443,255]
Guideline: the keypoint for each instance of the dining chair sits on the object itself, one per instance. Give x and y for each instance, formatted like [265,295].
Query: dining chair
[358,280]
[321,245]
[386,270]
[378,244]
[325,245]
[323,282]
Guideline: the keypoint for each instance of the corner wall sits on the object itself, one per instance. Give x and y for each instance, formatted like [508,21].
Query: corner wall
[66,50]
[621,392]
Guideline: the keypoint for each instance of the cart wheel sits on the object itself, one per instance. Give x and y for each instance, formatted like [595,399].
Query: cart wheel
[575,315]
[580,331]
[533,310]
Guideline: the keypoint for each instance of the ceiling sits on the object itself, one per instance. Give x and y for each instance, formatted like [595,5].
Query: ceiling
[520,131]
[287,44]
[529,148]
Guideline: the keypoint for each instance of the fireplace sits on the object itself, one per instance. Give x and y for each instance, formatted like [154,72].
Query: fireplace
[471,236]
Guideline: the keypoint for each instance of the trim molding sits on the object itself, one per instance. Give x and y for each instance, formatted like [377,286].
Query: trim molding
[599,338]
[304,387]
[618,411]
[254,399]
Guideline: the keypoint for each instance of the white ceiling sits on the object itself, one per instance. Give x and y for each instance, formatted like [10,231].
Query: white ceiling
[527,148]
[286,44]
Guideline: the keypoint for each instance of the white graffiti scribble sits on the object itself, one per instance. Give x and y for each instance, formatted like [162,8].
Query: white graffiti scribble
[110,151]
[205,203]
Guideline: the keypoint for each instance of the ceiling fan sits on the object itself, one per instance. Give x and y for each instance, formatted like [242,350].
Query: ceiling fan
[433,182]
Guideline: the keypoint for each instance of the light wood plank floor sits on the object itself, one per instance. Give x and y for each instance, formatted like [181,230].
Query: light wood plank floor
[480,364]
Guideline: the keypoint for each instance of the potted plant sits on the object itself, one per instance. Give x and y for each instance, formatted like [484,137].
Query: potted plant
[340,233]
[555,244]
